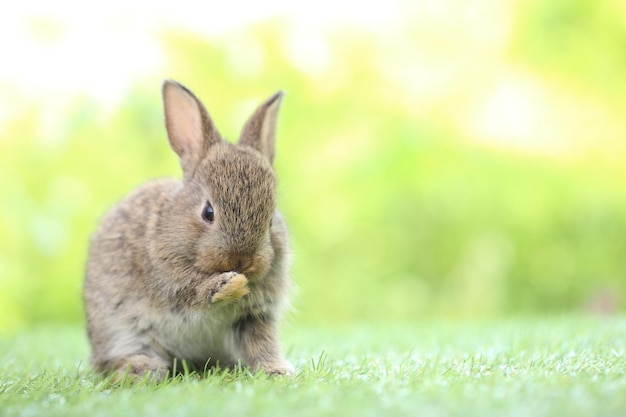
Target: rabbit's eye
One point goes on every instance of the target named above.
(207, 212)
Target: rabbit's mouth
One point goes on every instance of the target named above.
(243, 264)
(252, 266)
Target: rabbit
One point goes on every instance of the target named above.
(193, 270)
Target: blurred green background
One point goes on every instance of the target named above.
(450, 159)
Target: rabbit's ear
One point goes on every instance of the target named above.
(260, 130)
(189, 127)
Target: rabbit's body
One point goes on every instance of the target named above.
(194, 269)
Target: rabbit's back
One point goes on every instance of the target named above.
(118, 263)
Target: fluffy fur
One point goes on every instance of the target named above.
(163, 283)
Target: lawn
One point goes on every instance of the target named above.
(567, 366)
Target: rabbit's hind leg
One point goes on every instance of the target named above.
(138, 367)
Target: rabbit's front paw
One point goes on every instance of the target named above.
(231, 286)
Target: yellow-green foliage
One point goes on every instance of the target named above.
(399, 207)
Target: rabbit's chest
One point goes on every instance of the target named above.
(201, 336)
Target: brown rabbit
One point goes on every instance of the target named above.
(194, 269)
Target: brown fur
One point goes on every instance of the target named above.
(164, 284)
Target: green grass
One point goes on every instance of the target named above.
(571, 366)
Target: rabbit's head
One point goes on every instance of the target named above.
(219, 218)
